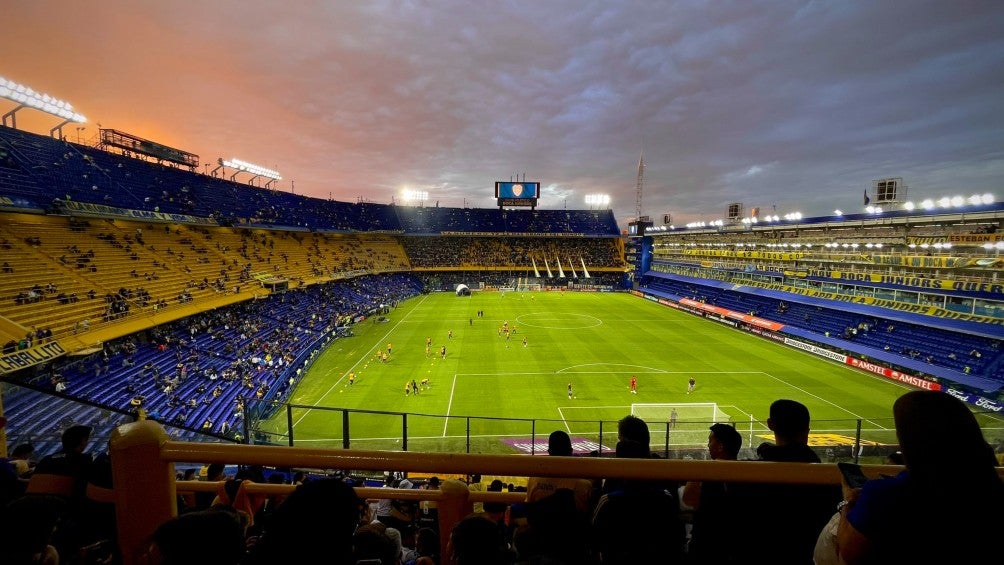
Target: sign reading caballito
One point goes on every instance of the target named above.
(24, 358)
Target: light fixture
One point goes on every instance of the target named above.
(256, 170)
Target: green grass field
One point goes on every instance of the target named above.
(488, 389)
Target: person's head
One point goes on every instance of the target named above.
(476, 540)
(433, 483)
(475, 478)
(28, 524)
(895, 458)
(215, 472)
(559, 444)
(724, 442)
(314, 523)
(789, 420)
(209, 536)
(189, 475)
(926, 422)
(23, 451)
(633, 428)
(75, 438)
(427, 542)
(370, 541)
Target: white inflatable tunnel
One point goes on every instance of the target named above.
(463, 290)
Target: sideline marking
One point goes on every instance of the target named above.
(376, 345)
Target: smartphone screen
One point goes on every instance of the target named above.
(852, 474)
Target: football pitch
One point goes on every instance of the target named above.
(490, 394)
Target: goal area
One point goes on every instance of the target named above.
(684, 423)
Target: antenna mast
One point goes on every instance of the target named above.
(638, 185)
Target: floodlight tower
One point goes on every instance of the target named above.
(28, 98)
(638, 185)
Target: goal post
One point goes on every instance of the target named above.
(685, 423)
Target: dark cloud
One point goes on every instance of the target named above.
(795, 104)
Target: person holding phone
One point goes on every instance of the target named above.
(941, 507)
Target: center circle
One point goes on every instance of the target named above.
(559, 321)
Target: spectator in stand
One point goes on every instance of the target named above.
(21, 459)
(70, 461)
(476, 540)
(427, 550)
(553, 525)
(710, 537)
(28, 524)
(791, 514)
(208, 536)
(314, 524)
(559, 444)
(944, 492)
(637, 521)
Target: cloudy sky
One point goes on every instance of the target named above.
(782, 105)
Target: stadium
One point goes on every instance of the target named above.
(137, 288)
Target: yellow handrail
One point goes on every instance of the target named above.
(143, 460)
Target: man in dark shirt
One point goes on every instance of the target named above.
(71, 461)
(780, 522)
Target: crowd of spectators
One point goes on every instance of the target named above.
(201, 372)
(564, 521)
(513, 252)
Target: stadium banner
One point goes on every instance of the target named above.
(726, 313)
(815, 350)
(102, 211)
(978, 401)
(25, 358)
(16, 204)
(977, 239)
(893, 375)
(892, 305)
(510, 234)
(769, 255)
(915, 282)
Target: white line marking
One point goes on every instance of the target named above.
(376, 346)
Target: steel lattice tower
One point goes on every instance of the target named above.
(638, 185)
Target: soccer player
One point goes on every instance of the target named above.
(442, 352)
(352, 378)
(672, 418)
(450, 334)
(425, 383)
(407, 388)
(691, 384)
(428, 341)
(570, 393)
(389, 348)
(634, 385)
(428, 351)
(524, 341)
(414, 386)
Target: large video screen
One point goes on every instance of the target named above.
(517, 190)
(517, 193)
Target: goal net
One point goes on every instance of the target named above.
(685, 423)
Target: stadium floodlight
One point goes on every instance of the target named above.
(415, 195)
(909, 206)
(27, 97)
(927, 204)
(838, 212)
(254, 170)
(597, 199)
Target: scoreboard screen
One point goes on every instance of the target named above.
(517, 193)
